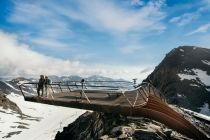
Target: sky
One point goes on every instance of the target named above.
(113, 38)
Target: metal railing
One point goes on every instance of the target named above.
(130, 91)
(30, 88)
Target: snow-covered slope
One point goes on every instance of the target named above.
(39, 122)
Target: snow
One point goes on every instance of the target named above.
(206, 62)
(205, 109)
(11, 86)
(22, 82)
(186, 77)
(194, 85)
(200, 74)
(205, 79)
(197, 114)
(181, 50)
(180, 95)
(47, 120)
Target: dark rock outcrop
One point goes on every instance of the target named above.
(7, 104)
(183, 76)
(93, 126)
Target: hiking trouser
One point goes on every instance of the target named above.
(40, 88)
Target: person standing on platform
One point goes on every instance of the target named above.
(41, 85)
(46, 85)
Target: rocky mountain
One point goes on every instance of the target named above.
(184, 78)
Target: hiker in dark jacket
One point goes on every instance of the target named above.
(41, 85)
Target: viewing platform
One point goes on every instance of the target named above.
(120, 97)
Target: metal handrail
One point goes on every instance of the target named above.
(76, 85)
(61, 87)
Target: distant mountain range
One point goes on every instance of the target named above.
(184, 77)
(8, 86)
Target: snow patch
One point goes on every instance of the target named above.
(186, 77)
(205, 62)
(11, 86)
(205, 109)
(202, 75)
(199, 74)
(180, 95)
(194, 85)
(204, 116)
(22, 82)
(181, 50)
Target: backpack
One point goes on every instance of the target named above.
(49, 81)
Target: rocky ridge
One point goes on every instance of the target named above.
(5, 103)
(184, 77)
(91, 126)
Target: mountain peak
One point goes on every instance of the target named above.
(184, 77)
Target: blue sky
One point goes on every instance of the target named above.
(118, 38)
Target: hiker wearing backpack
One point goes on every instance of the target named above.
(47, 84)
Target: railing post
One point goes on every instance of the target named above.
(52, 88)
(60, 87)
(69, 88)
(82, 82)
(134, 82)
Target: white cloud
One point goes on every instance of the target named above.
(28, 12)
(40, 22)
(100, 15)
(130, 49)
(185, 18)
(47, 42)
(104, 15)
(202, 29)
(202, 6)
(18, 59)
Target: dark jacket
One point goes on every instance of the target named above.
(41, 82)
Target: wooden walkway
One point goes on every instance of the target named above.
(143, 101)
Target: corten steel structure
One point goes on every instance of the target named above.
(114, 97)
